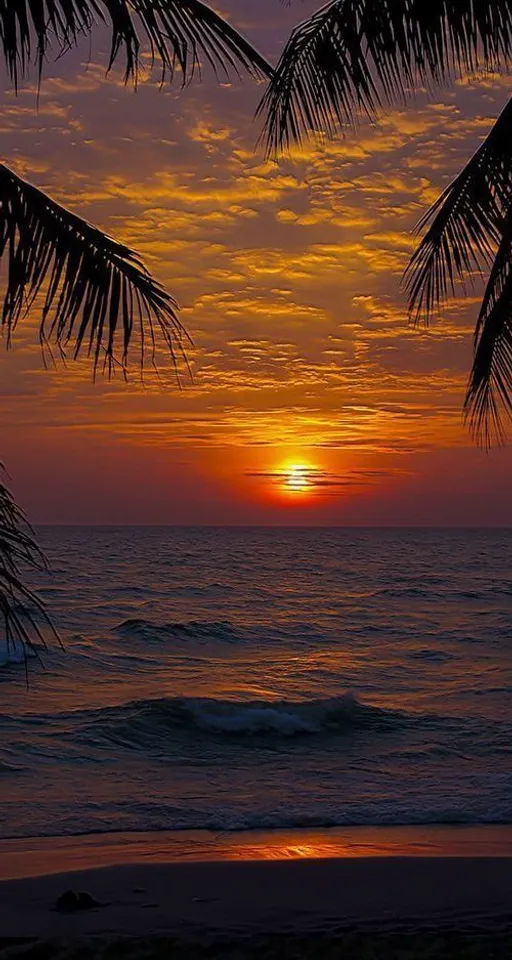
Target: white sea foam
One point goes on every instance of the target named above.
(251, 719)
(13, 652)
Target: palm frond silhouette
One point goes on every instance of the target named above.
(99, 291)
(22, 613)
(180, 33)
(95, 295)
(346, 62)
(96, 292)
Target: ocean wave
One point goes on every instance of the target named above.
(432, 656)
(201, 631)
(406, 592)
(402, 591)
(139, 722)
(207, 590)
(8, 768)
(284, 718)
(140, 818)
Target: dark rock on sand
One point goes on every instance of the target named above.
(71, 902)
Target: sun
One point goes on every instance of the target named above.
(297, 478)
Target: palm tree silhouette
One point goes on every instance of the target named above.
(96, 296)
(354, 56)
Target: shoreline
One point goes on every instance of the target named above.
(46, 856)
(318, 894)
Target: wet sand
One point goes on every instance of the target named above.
(36, 856)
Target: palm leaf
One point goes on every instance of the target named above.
(353, 55)
(470, 229)
(21, 611)
(180, 33)
(490, 386)
(96, 293)
(465, 223)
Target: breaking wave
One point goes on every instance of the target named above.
(140, 722)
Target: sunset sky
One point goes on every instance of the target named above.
(288, 276)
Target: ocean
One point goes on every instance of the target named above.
(244, 679)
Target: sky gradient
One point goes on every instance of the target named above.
(288, 276)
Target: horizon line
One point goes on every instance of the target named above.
(276, 526)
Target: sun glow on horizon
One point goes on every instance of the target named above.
(298, 478)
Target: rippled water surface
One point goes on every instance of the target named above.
(247, 678)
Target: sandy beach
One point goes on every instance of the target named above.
(267, 904)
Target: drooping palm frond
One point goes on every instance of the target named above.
(180, 33)
(489, 393)
(470, 230)
(353, 55)
(22, 612)
(466, 223)
(97, 295)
